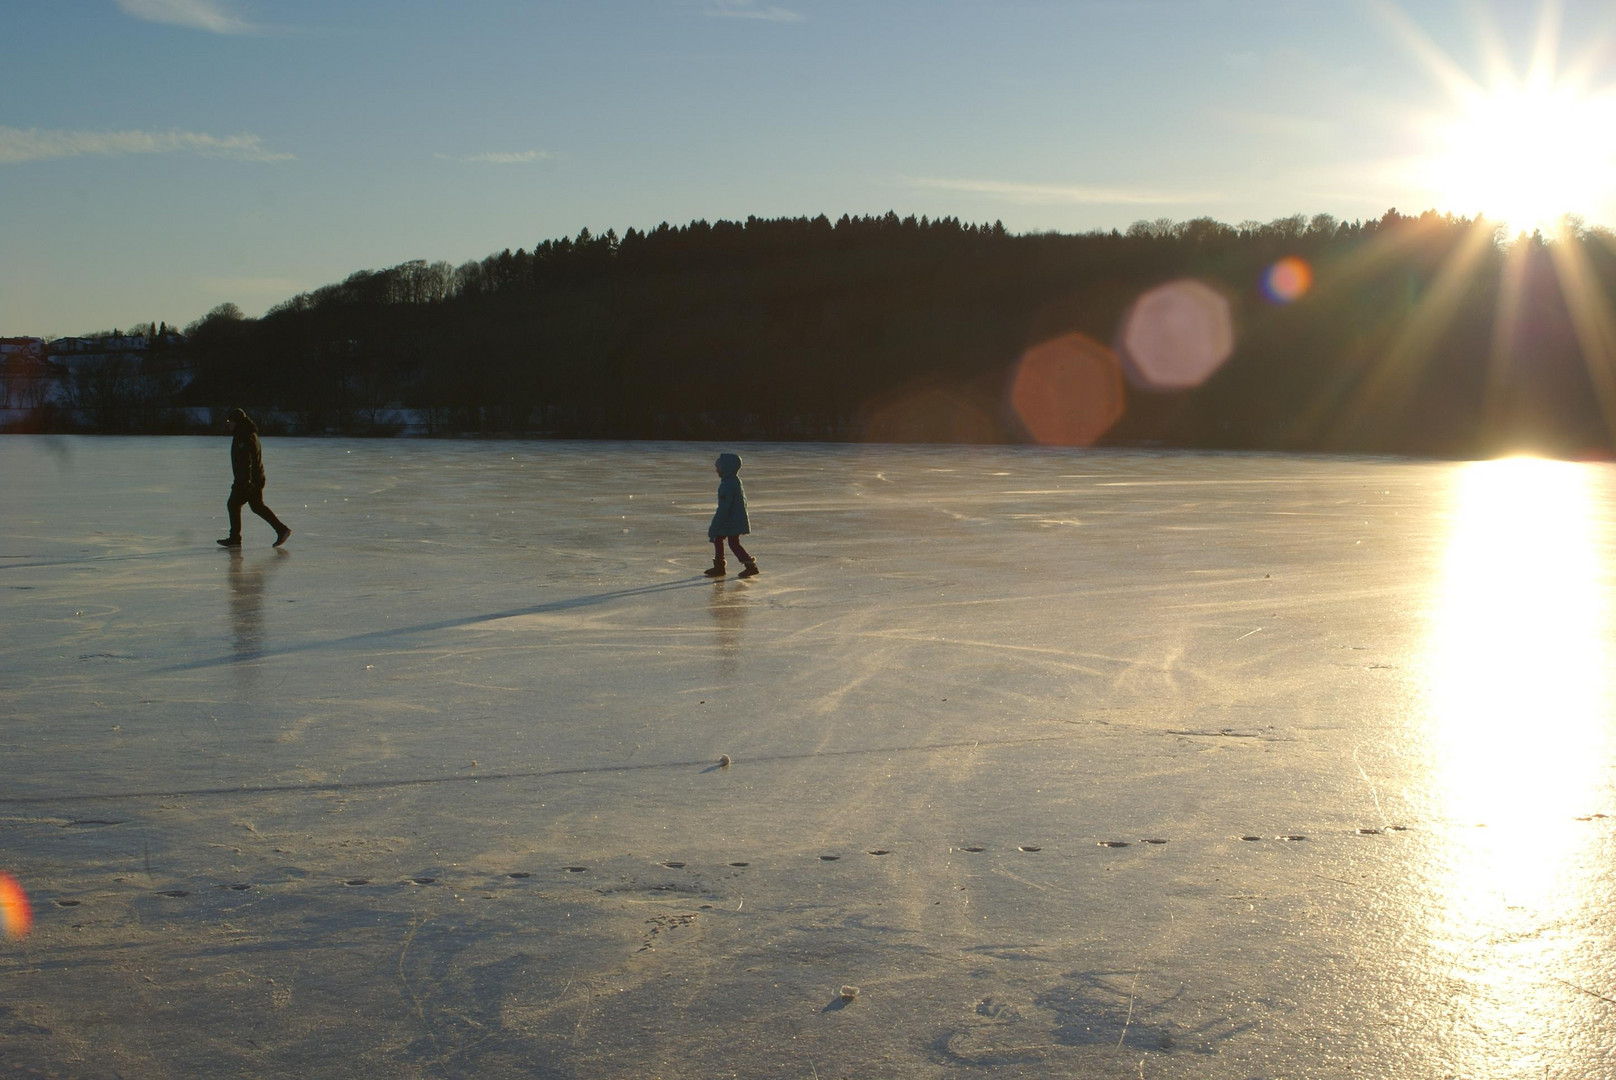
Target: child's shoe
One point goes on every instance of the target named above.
(750, 571)
(717, 569)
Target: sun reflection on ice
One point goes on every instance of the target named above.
(1519, 742)
(1520, 656)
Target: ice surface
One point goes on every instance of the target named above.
(434, 789)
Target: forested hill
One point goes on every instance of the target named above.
(1419, 334)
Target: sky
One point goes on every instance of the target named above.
(160, 157)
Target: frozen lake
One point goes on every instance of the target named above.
(1100, 764)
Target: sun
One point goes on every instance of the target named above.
(1525, 153)
(1525, 145)
(1527, 156)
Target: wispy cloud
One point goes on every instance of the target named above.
(210, 15)
(517, 157)
(1012, 191)
(31, 144)
(744, 9)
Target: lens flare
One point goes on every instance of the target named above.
(1068, 390)
(16, 916)
(937, 414)
(1287, 280)
(1176, 335)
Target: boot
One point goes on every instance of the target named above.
(750, 571)
(717, 569)
(230, 541)
(283, 533)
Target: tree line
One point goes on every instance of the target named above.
(1420, 334)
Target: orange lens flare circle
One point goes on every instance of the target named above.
(1176, 335)
(16, 916)
(1288, 279)
(1068, 391)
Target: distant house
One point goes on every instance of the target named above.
(76, 351)
(27, 379)
(15, 346)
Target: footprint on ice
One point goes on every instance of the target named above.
(881, 851)
(829, 858)
(174, 892)
(575, 869)
(671, 865)
(1290, 836)
(1030, 847)
(973, 850)
(1153, 840)
(1371, 832)
(740, 864)
(68, 903)
(519, 874)
(1113, 843)
(1251, 838)
(424, 880)
(357, 881)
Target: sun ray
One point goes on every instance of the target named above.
(1495, 54)
(1390, 248)
(1584, 64)
(1400, 366)
(1506, 331)
(1592, 319)
(1545, 49)
(1457, 81)
(1370, 260)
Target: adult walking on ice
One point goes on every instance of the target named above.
(730, 521)
(247, 465)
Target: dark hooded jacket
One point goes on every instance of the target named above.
(246, 455)
(730, 519)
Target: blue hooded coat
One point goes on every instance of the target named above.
(730, 518)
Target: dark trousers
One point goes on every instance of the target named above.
(734, 545)
(253, 498)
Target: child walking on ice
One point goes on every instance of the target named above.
(730, 521)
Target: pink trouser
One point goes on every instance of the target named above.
(734, 545)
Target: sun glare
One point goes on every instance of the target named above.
(1520, 742)
(1524, 144)
(1520, 655)
(1522, 152)
(1527, 156)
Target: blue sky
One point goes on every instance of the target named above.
(158, 157)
